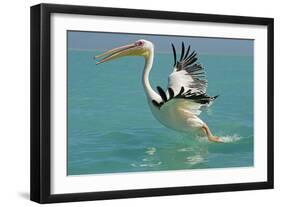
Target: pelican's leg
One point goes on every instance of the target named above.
(209, 134)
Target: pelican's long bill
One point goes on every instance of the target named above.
(116, 53)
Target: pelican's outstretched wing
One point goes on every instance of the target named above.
(187, 73)
(187, 81)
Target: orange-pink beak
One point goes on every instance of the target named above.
(115, 53)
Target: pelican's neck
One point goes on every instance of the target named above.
(145, 76)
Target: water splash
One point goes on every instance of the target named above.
(231, 138)
(225, 139)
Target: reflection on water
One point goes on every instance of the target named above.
(192, 160)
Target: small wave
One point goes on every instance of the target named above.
(195, 159)
(150, 150)
(146, 164)
(189, 149)
(147, 159)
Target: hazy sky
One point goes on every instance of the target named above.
(162, 43)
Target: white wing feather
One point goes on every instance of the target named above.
(178, 79)
(187, 81)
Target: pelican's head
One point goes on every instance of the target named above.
(138, 48)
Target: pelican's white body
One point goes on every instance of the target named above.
(178, 115)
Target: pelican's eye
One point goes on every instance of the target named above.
(139, 43)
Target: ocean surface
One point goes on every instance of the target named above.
(111, 128)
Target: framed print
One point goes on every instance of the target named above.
(133, 103)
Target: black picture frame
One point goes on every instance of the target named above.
(40, 184)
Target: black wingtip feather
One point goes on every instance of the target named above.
(188, 49)
(192, 55)
(182, 51)
(162, 94)
(175, 54)
(181, 91)
(171, 93)
(192, 61)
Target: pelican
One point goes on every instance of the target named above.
(179, 107)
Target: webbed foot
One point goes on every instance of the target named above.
(215, 139)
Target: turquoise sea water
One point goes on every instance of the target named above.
(111, 128)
